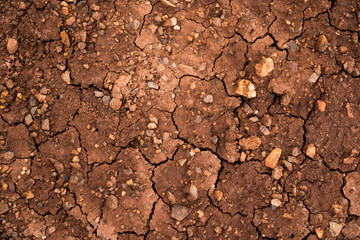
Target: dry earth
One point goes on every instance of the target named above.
(179, 119)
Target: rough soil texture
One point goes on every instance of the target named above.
(179, 119)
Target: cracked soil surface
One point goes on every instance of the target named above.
(179, 119)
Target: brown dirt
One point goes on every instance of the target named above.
(124, 119)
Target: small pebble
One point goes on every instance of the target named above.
(9, 84)
(250, 143)
(193, 192)
(202, 67)
(75, 159)
(173, 21)
(33, 110)
(152, 125)
(102, 26)
(115, 104)
(288, 165)
(276, 202)
(349, 160)
(313, 77)
(12, 45)
(245, 88)
(112, 202)
(198, 119)
(136, 24)
(96, 16)
(335, 228)
(319, 232)
(132, 108)
(217, 22)
(65, 38)
(171, 197)
(45, 125)
(81, 45)
(321, 43)
(8, 156)
(153, 85)
(106, 100)
(273, 158)
(58, 49)
(218, 230)
(214, 139)
(66, 77)
(44, 91)
(264, 130)
(59, 167)
(200, 214)
(277, 173)
(208, 98)
(296, 151)
(28, 119)
(166, 62)
(29, 195)
(218, 195)
(311, 150)
(343, 49)
(70, 21)
(3, 208)
(179, 212)
(321, 105)
(264, 67)
(68, 205)
(292, 159)
(98, 94)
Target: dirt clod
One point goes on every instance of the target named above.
(179, 119)
(250, 143)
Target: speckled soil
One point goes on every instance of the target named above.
(179, 119)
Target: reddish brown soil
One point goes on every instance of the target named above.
(124, 119)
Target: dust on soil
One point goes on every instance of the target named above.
(179, 119)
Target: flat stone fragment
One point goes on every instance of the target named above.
(28, 119)
(313, 77)
(273, 158)
(46, 125)
(335, 228)
(153, 85)
(179, 212)
(4, 208)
